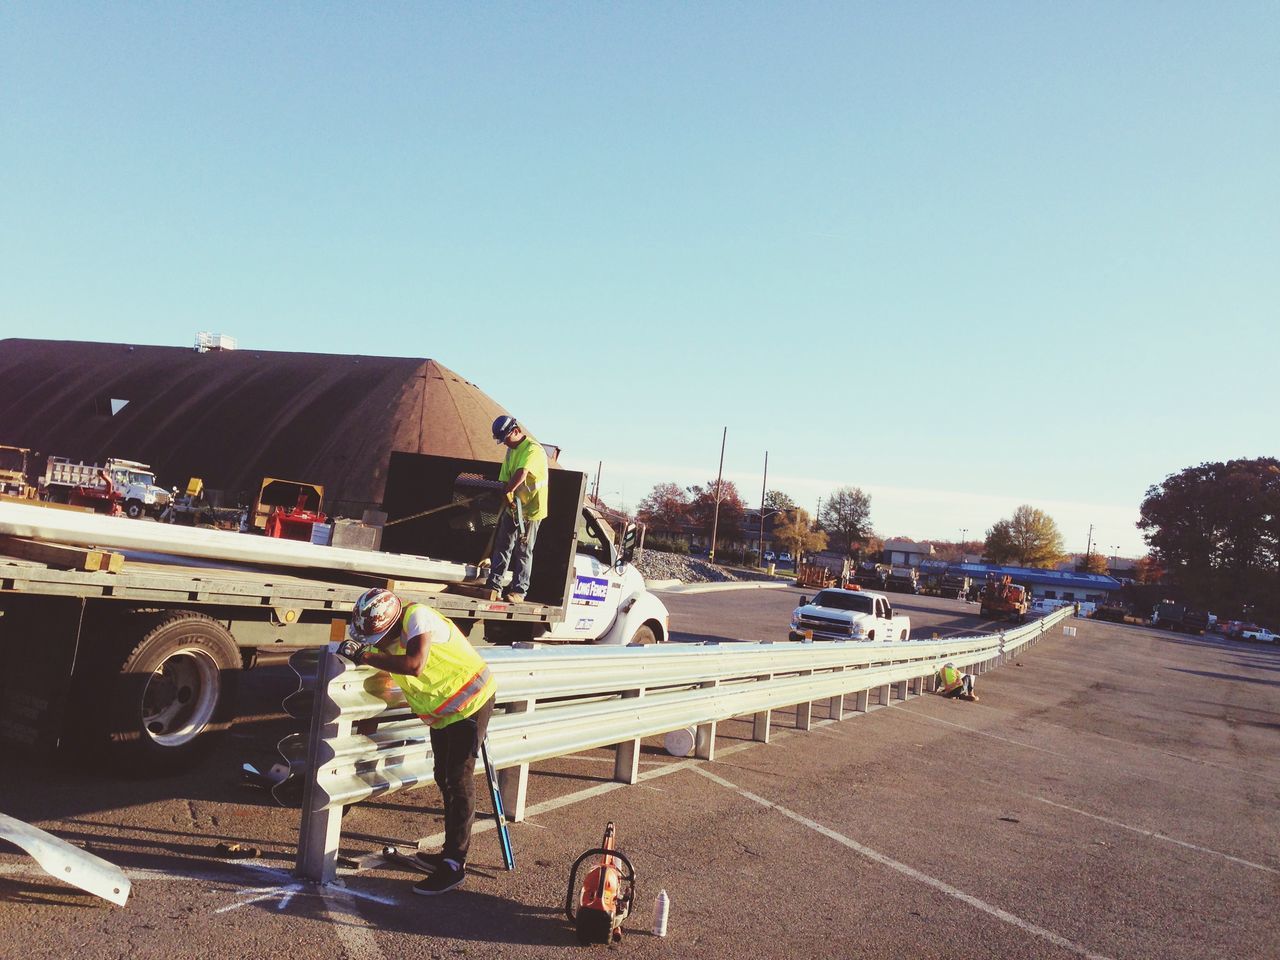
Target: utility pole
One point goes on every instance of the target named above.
(595, 495)
(715, 518)
(763, 483)
(1088, 550)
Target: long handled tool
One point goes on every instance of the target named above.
(499, 812)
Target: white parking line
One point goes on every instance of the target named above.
(914, 874)
(1154, 834)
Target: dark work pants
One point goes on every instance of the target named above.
(455, 749)
(506, 543)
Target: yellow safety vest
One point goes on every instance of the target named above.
(453, 683)
(950, 676)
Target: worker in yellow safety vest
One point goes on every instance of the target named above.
(449, 686)
(950, 682)
(524, 478)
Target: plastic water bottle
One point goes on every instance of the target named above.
(661, 908)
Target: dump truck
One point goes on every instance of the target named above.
(955, 586)
(872, 575)
(903, 580)
(1002, 599)
(145, 628)
(1179, 617)
(129, 484)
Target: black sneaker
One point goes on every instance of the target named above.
(444, 879)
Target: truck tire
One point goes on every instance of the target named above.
(134, 509)
(174, 694)
(643, 637)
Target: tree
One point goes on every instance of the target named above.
(846, 517)
(702, 511)
(1092, 563)
(1148, 570)
(665, 509)
(795, 531)
(1030, 538)
(777, 500)
(1216, 530)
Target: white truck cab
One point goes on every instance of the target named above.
(608, 602)
(848, 615)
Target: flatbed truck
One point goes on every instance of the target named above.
(136, 654)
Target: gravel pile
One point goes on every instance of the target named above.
(656, 565)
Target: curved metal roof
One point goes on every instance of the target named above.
(234, 417)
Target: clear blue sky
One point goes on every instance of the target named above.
(964, 256)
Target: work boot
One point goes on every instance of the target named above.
(515, 596)
(445, 878)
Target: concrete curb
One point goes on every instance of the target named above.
(659, 585)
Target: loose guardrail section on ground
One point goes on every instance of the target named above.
(364, 742)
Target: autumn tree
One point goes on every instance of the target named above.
(702, 511)
(1148, 570)
(1029, 538)
(846, 517)
(795, 531)
(1092, 563)
(665, 509)
(1216, 530)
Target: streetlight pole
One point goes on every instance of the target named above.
(715, 518)
(763, 483)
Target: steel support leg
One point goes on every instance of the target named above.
(513, 782)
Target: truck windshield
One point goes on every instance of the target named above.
(857, 602)
(11, 459)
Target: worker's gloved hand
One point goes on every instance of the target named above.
(354, 650)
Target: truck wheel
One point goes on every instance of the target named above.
(175, 691)
(134, 509)
(643, 637)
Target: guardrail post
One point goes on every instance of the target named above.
(917, 686)
(704, 738)
(863, 701)
(626, 756)
(760, 723)
(883, 695)
(835, 706)
(321, 829)
(513, 782)
(901, 689)
(804, 711)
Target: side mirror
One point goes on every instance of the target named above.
(627, 546)
(803, 600)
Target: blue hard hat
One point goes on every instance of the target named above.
(502, 428)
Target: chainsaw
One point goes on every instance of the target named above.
(606, 894)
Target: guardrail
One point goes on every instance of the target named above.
(555, 701)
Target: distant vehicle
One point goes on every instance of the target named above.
(784, 557)
(873, 575)
(122, 484)
(13, 471)
(848, 615)
(770, 556)
(1003, 599)
(1261, 634)
(1178, 617)
(903, 580)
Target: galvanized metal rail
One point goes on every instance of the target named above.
(364, 742)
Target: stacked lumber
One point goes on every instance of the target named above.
(62, 556)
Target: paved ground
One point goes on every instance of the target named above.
(1112, 795)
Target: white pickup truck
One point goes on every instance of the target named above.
(848, 615)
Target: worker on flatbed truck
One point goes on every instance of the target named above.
(950, 682)
(524, 472)
(449, 686)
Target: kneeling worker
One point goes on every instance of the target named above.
(449, 686)
(952, 683)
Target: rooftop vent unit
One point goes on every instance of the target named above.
(206, 342)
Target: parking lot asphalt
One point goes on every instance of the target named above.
(1112, 795)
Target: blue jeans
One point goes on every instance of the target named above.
(505, 544)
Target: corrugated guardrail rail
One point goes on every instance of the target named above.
(554, 701)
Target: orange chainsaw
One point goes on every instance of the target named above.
(605, 895)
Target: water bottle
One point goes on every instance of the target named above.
(661, 908)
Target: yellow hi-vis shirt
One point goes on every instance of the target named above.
(454, 681)
(533, 492)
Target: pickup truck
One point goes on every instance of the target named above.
(848, 615)
(1261, 634)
